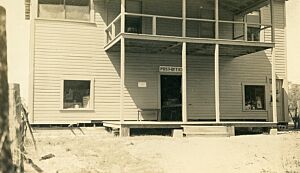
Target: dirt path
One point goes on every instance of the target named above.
(154, 154)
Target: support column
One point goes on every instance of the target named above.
(184, 83)
(183, 64)
(122, 62)
(245, 28)
(274, 104)
(217, 85)
(122, 81)
(122, 16)
(183, 18)
(217, 19)
(92, 11)
(272, 21)
(217, 88)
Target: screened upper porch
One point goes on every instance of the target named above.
(232, 20)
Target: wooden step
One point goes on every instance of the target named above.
(208, 130)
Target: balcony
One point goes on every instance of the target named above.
(239, 27)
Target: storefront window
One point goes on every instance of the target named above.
(76, 94)
(254, 97)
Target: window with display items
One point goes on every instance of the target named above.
(76, 94)
(254, 97)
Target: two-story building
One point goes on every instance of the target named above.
(168, 61)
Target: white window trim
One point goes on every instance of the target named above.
(243, 96)
(92, 95)
(91, 20)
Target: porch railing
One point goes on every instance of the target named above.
(113, 29)
(194, 28)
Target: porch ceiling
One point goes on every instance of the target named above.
(242, 6)
(197, 49)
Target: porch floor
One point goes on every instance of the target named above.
(178, 124)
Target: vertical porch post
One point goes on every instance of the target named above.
(92, 11)
(122, 16)
(184, 82)
(122, 62)
(245, 28)
(183, 64)
(274, 104)
(122, 81)
(183, 18)
(217, 85)
(217, 80)
(216, 19)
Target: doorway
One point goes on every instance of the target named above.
(171, 106)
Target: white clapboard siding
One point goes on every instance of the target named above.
(71, 49)
(280, 25)
(65, 49)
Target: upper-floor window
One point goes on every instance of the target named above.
(64, 9)
(253, 29)
(133, 23)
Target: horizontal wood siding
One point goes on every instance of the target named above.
(280, 35)
(234, 72)
(280, 39)
(144, 68)
(71, 49)
(255, 69)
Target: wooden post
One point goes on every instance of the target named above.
(122, 16)
(217, 86)
(272, 21)
(122, 63)
(16, 126)
(245, 28)
(183, 18)
(6, 164)
(92, 11)
(183, 64)
(154, 25)
(274, 104)
(124, 131)
(113, 31)
(122, 76)
(184, 83)
(217, 19)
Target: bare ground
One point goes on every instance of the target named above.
(154, 154)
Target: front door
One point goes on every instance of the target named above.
(170, 97)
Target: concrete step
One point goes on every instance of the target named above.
(206, 135)
(208, 130)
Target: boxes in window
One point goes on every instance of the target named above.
(86, 101)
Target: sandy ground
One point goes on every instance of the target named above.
(154, 154)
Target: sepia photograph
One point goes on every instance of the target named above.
(149, 86)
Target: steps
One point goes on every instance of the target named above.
(214, 131)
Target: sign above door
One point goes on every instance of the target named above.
(170, 69)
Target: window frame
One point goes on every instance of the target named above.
(92, 94)
(90, 20)
(243, 97)
(252, 26)
(133, 19)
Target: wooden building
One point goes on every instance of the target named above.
(166, 61)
